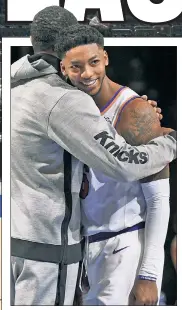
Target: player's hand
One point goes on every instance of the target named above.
(166, 131)
(154, 105)
(145, 293)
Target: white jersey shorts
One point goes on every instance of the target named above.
(112, 267)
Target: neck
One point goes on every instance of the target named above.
(48, 52)
(108, 89)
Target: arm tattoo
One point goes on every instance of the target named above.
(138, 125)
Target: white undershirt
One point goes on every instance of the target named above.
(157, 195)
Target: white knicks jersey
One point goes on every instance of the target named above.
(108, 205)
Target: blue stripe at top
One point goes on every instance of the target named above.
(111, 100)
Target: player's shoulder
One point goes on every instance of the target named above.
(127, 90)
(133, 101)
(137, 110)
(138, 122)
(140, 106)
(126, 94)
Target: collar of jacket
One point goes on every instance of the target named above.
(50, 59)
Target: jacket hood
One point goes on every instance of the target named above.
(24, 69)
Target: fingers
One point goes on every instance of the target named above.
(145, 293)
(160, 116)
(158, 110)
(144, 302)
(153, 103)
(138, 303)
(144, 97)
(166, 131)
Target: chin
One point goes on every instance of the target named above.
(94, 95)
(95, 91)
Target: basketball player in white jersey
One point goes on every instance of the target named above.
(124, 261)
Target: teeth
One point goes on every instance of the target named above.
(89, 83)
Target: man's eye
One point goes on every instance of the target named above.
(75, 67)
(95, 62)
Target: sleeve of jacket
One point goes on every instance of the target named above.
(76, 125)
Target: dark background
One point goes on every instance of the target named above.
(149, 71)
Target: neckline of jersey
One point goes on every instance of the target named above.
(111, 100)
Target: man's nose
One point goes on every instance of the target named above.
(87, 73)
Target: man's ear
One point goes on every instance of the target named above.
(62, 68)
(106, 57)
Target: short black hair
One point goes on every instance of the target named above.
(46, 24)
(77, 35)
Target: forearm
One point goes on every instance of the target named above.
(157, 199)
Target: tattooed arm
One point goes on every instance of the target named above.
(138, 125)
(139, 122)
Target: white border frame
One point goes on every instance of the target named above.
(6, 53)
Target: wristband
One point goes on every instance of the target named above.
(147, 278)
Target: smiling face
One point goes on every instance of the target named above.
(85, 67)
